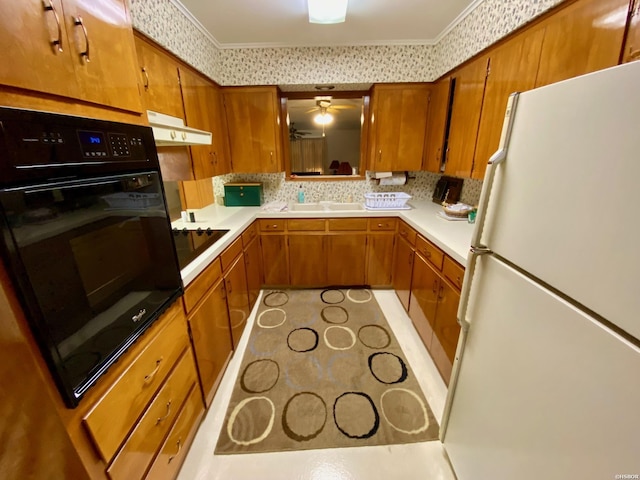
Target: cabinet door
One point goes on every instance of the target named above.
(160, 81)
(380, 259)
(632, 44)
(30, 59)
(465, 117)
(275, 259)
(211, 337)
(253, 265)
(219, 133)
(346, 257)
(196, 98)
(307, 260)
(424, 298)
(513, 68)
(103, 52)
(235, 281)
(446, 330)
(253, 121)
(399, 120)
(403, 269)
(584, 37)
(436, 125)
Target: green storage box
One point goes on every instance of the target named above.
(243, 194)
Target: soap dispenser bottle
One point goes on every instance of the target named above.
(300, 195)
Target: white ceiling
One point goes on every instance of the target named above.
(284, 23)
(302, 111)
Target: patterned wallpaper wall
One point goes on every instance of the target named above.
(488, 22)
(277, 189)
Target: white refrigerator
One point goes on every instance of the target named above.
(546, 379)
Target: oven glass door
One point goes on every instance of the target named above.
(95, 264)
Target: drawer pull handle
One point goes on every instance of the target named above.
(441, 293)
(458, 280)
(434, 289)
(427, 253)
(162, 419)
(57, 43)
(229, 290)
(77, 21)
(410, 257)
(179, 445)
(149, 378)
(633, 55)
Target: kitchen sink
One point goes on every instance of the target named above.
(339, 207)
(306, 207)
(326, 207)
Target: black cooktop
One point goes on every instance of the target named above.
(191, 243)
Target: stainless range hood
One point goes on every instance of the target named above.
(171, 131)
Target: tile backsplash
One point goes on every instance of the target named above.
(276, 188)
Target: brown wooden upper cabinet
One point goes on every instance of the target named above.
(160, 79)
(584, 37)
(72, 49)
(436, 125)
(398, 126)
(631, 50)
(512, 68)
(255, 135)
(465, 116)
(203, 109)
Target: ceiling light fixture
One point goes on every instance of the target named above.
(323, 118)
(327, 11)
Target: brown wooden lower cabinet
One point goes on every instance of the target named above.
(235, 280)
(380, 259)
(275, 259)
(446, 329)
(307, 260)
(346, 257)
(211, 337)
(402, 271)
(253, 265)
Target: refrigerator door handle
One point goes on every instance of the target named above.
(476, 250)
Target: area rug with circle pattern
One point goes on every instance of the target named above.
(323, 369)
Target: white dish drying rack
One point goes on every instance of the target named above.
(387, 201)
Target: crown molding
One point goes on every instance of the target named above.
(238, 46)
(196, 23)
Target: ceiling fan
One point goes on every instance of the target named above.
(323, 105)
(294, 133)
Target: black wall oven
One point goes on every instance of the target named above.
(86, 238)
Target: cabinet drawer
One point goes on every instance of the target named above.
(308, 225)
(453, 272)
(176, 446)
(116, 412)
(382, 224)
(196, 289)
(249, 234)
(231, 252)
(408, 233)
(342, 224)
(138, 451)
(429, 251)
(274, 225)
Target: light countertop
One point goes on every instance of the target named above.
(452, 237)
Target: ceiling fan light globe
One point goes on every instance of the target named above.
(327, 11)
(323, 118)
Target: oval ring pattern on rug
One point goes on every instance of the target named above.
(305, 414)
(269, 313)
(299, 339)
(276, 299)
(331, 296)
(338, 327)
(420, 403)
(260, 376)
(374, 411)
(353, 296)
(368, 336)
(333, 314)
(403, 367)
(238, 409)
